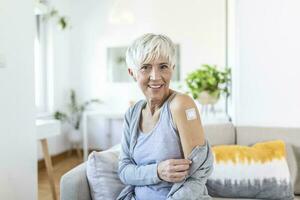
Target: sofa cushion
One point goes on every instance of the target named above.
(102, 174)
(217, 134)
(74, 184)
(260, 171)
(248, 135)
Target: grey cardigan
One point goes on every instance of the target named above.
(191, 188)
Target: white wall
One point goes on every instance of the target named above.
(198, 26)
(18, 168)
(268, 46)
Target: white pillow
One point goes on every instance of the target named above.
(102, 174)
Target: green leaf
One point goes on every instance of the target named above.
(208, 78)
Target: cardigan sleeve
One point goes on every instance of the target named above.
(195, 183)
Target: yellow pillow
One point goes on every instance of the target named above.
(260, 171)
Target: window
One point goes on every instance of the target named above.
(42, 63)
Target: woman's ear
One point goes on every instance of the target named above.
(131, 73)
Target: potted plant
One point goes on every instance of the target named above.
(73, 117)
(208, 83)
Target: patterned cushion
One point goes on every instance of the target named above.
(260, 171)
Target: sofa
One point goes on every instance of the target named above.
(74, 184)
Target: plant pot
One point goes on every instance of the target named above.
(74, 136)
(206, 98)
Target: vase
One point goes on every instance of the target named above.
(206, 98)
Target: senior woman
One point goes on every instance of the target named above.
(164, 153)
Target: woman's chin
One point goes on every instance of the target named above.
(156, 96)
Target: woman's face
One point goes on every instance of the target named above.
(154, 78)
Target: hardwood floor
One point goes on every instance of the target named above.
(61, 167)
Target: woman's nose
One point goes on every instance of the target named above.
(155, 74)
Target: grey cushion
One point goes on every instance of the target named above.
(248, 135)
(74, 184)
(218, 134)
(102, 174)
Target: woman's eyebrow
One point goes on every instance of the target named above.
(148, 64)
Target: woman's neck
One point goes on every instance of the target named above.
(153, 105)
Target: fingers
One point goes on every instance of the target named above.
(180, 168)
(174, 170)
(180, 161)
(178, 174)
(177, 165)
(177, 177)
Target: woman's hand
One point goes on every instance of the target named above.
(173, 170)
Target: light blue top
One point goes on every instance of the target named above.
(161, 143)
(134, 175)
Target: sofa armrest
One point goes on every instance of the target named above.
(74, 184)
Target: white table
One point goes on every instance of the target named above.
(48, 128)
(105, 114)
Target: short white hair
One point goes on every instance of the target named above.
(149, 47)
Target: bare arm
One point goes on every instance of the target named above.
(190, 130)
(191, 135)
(192, 139)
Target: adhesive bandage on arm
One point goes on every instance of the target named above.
(191, 114)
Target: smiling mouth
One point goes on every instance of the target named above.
(155, 86)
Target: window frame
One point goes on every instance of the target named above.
(42, 67)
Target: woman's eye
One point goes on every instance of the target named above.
(164, 66)
(144, 67)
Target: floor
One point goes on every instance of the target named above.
(44, 192)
